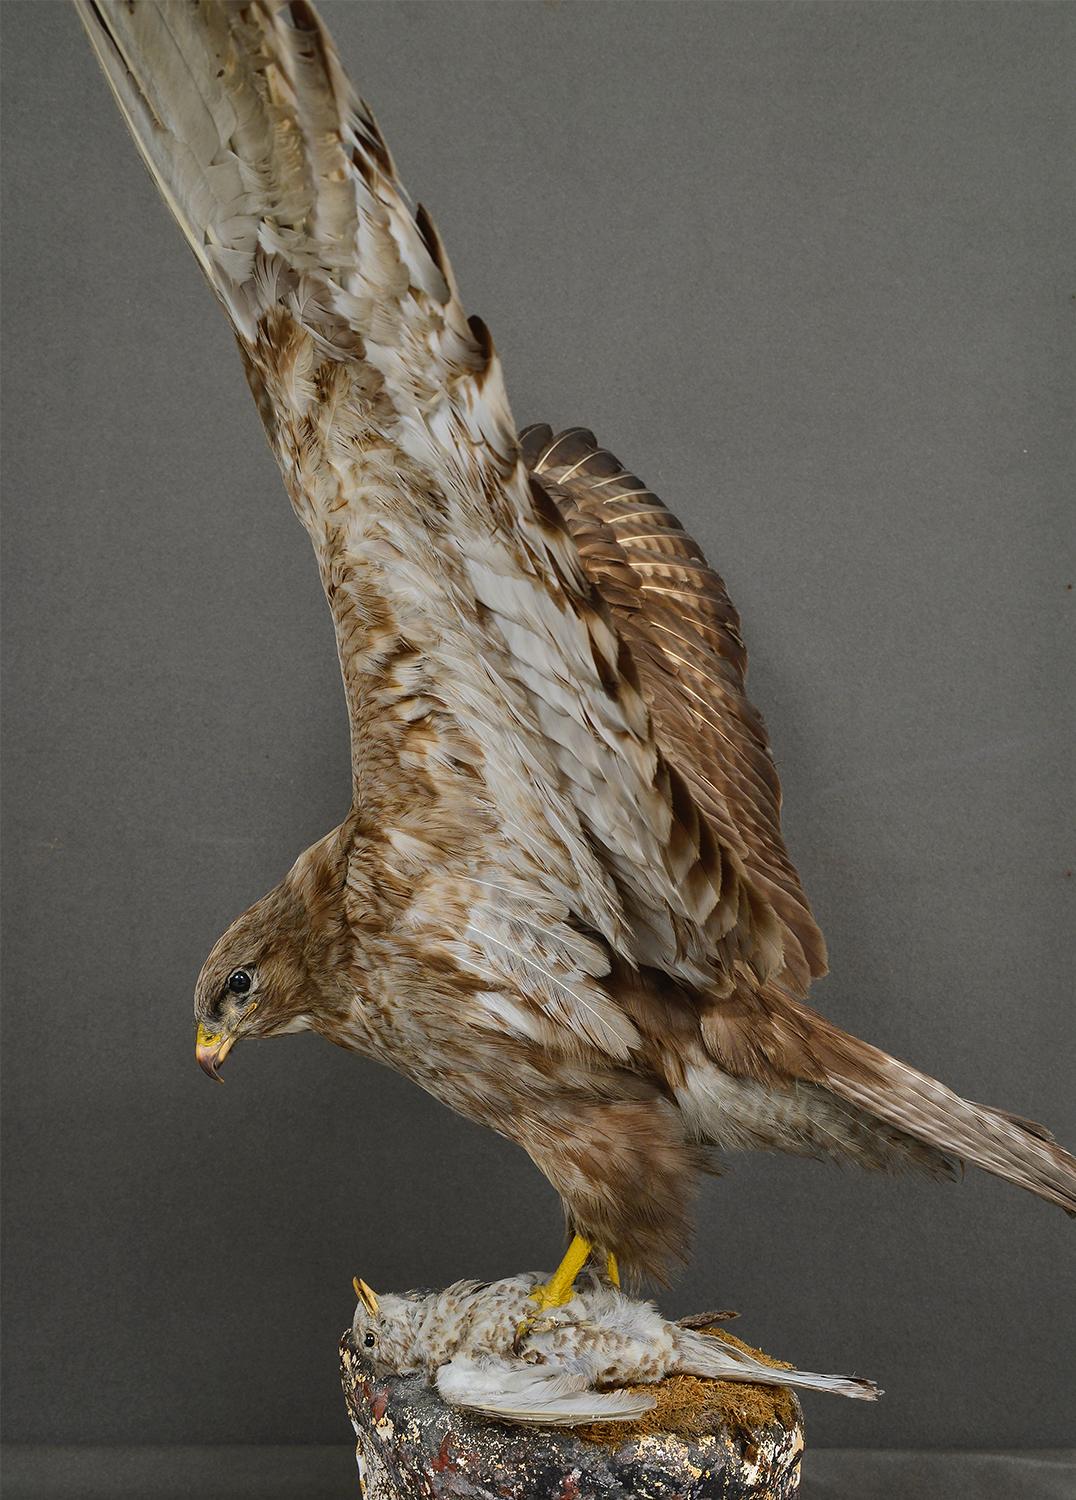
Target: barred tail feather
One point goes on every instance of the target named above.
(1020, 1151)
(783, 1076)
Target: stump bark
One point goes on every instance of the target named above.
(705, 1439)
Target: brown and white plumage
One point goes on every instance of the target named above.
(568, 1368)
(683, 633)
(561, 900)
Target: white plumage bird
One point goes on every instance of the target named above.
(481, 1346)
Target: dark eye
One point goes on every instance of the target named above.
(370, 1340)
(238, 982)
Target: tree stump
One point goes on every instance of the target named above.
(704, 1439)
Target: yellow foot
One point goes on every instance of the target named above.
(560, 1288)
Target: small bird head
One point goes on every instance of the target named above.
(384, 1330)
(255, 981)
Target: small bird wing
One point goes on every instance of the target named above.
(675, 615)
(513, 801)
(531, 1393)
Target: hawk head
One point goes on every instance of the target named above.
(267, 973)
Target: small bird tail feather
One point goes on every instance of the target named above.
(715, 1359)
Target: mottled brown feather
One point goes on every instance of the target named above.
(674, 613)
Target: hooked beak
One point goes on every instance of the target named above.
(212, 1047)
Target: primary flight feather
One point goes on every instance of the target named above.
(561, 901)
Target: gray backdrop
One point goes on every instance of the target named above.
(803, 267)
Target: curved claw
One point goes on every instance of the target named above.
(558, 1290)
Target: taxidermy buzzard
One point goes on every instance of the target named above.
(560, 901)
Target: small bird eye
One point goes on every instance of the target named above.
(239, 982)
(370, 1340)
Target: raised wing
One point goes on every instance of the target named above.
(674, 613)
(512, 803)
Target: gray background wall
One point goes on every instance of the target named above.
(801, 266)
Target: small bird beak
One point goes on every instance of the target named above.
(366, 1294)
(211, 1048)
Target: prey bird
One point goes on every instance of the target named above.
(561, 900)
(463, 1339)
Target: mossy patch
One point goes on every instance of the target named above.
(690, 1408)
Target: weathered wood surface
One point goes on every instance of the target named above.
(705, 1440)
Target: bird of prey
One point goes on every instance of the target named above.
(463, 1339)
(561, 900)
